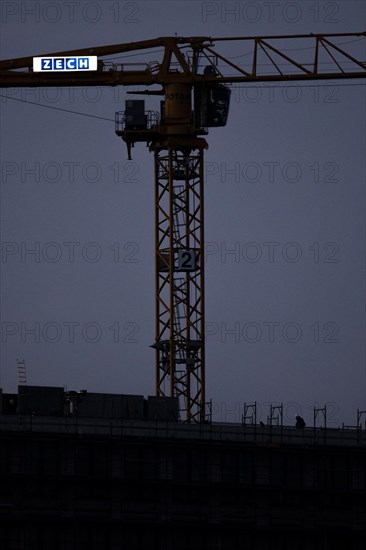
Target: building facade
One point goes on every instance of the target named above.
(113, 481)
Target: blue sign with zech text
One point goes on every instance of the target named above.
(62, 64)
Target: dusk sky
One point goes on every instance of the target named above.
(284, 218)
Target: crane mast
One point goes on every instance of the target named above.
(193, 78)
(179, 275)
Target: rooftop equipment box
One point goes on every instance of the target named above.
(41, 400)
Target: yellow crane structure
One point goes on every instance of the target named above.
(193, 77)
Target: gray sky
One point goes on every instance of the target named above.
(285, 219)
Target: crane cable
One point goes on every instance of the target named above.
(112, 120)
(57, 108)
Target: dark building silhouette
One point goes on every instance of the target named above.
(87, 471)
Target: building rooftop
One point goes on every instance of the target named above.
(50, 410)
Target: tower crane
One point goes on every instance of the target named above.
(193, 77)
